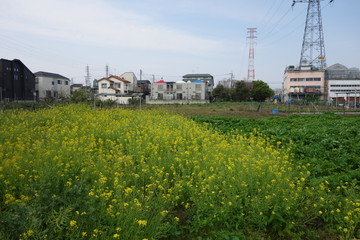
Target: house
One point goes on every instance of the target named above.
(343, 84)
(178, 92)
(114, 88)
(304, 81)
(75, 87)
(130, 76)
(51, 85)
(209, 79)
(17, 82)
(144, 86)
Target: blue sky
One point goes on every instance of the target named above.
(168, 38)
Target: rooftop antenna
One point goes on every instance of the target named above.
(313, 48)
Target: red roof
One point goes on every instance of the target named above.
(119, 78)
(114, 89)
(116, 77)
(161, 81)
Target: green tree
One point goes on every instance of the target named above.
(81, 95)
(261, 91)
(221, 93)
(242, 91)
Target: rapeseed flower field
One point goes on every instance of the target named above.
(74, 173)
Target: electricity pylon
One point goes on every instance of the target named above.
(313, 48)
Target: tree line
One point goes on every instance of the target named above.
(243, 91)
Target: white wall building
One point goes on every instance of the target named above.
(51, 85)
(178, 92)
(209, 79)
(302, 82)
(114, 88)
(130, 76)
(343, 84)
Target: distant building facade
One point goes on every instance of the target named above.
(51, 85)
(178, 92)
(144, 86)
(75, 87)
(17, 82)
(209, 79)
(304, 81)
(343, 84)
(130, 76)
(114, 88)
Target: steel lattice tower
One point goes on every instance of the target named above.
(87, 77)
(313, 48)
(251, 41)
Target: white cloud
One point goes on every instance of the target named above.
(99, 23)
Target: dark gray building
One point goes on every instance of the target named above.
(17, 82)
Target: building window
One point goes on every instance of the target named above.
(160, 96)
(169, 87)
(198, 87)
(117, 85)
(52, 83)
(179, 87)
(103, 85)
(59, 81)
(160, 87)
(36, 80)
(66, 82)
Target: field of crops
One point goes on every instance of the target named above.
(73, 173)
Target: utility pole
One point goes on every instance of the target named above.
(251, 41)
(107, 70)
(313, 48)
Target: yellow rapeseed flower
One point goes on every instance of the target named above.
(72, 223)
(142, 223)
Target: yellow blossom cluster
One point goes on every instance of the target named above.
(78, 173)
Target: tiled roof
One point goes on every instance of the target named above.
(114, 89)
(119, 78)
(106, 79)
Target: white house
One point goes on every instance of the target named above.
(130, 76)
(51, 85)
(178, 92)
(114, 88)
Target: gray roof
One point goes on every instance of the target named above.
(197, 75)
(50, 75)
(143, 82)
(337, 66)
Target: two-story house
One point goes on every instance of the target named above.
(178, 92)
(51, 85)
(114, 88)
(130, 76)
